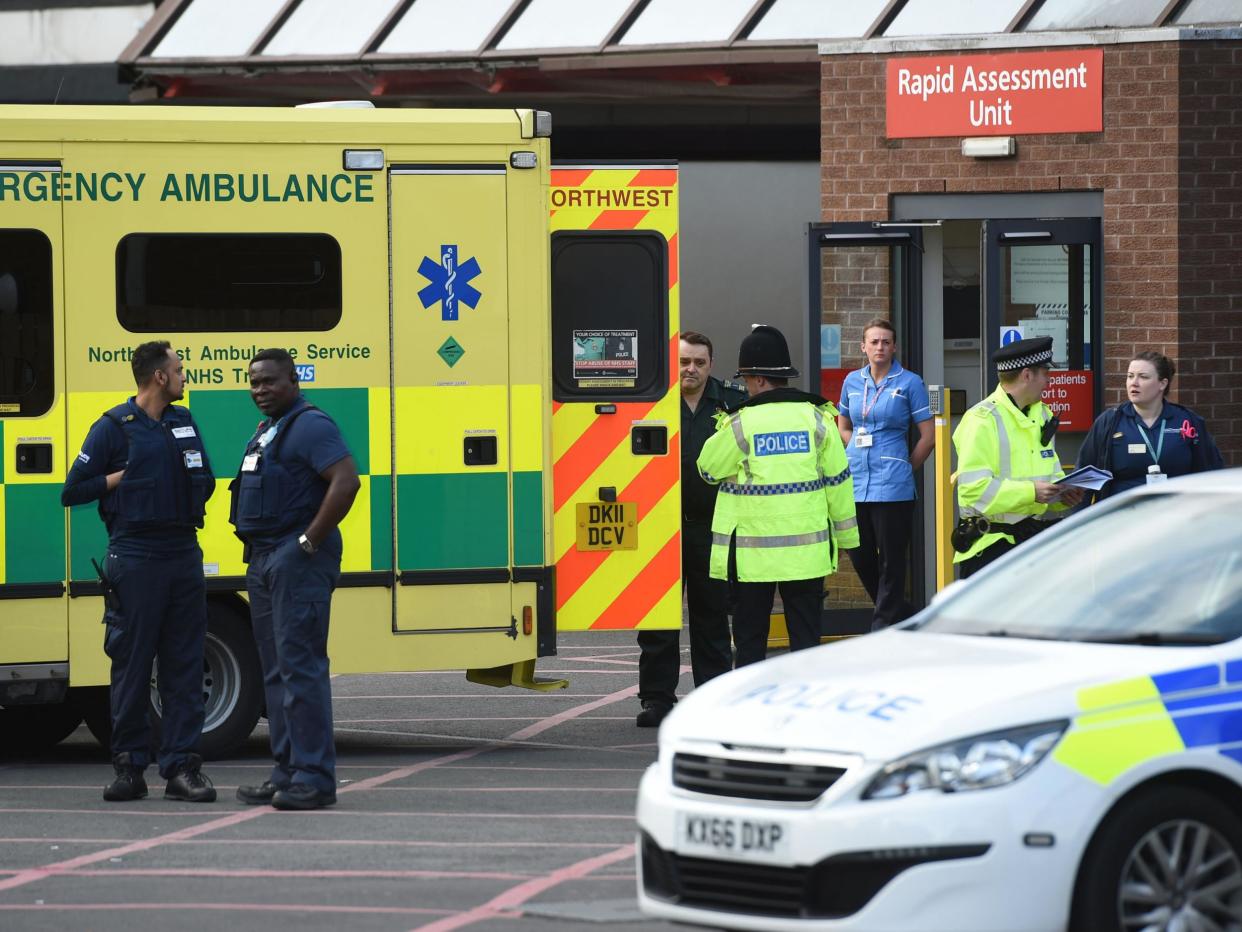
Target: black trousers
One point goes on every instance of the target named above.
(804, 610)
(968, 568)
(711, 652)
(881, 558)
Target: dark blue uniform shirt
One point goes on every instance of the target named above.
(1120, 442)
(158, 504)
(281, 495)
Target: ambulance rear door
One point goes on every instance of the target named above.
(33, 614)
(616, 415)
(451, 410)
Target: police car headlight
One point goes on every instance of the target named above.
(977, 763)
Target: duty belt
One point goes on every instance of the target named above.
(970, 530)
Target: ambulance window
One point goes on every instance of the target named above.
(609, 315)
(27, 357)
(219, 282)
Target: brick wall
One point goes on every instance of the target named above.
(1168, 163)
(1209, 236)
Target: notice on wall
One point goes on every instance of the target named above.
(829, 346)
(606, 358)
(1071, 396)
(1058, 330)
(995, 95)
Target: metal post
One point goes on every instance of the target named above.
(942, 410)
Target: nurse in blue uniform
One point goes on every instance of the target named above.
(1148, 438)
(879, 404)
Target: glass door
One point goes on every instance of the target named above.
(858, 272)
(1043, 278)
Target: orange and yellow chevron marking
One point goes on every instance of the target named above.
(635, 588)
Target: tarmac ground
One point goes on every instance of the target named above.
(459, 806)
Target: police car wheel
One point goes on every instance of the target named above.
(26, 729)
(232, 684)
(1167, 858)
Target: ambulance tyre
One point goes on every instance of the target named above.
(232, 683)
(27, 729)
(96, 707)
(1167, 851)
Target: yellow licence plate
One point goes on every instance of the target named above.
(607, 526)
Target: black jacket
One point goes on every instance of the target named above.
(698, 499)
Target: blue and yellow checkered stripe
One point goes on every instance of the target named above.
(1126, 723)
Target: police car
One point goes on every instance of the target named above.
(1057, 743)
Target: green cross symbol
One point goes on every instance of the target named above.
(450, 351)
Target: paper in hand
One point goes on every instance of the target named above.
(1087, 477)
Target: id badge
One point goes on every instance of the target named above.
(1136, 448)
(1153, 477)
(193, 459)
(182, 433)
(250, 463)
(863, 439)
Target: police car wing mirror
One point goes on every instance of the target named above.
(8, 294)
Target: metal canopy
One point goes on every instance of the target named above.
(691, 50)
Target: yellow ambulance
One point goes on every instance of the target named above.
(509, 396)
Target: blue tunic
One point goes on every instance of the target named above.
(882, 471)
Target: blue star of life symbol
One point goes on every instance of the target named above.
(450, 282)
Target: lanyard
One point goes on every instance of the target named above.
(1155, 454)
(879, 390)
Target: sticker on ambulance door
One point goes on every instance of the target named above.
(606, 358)
(607, 526)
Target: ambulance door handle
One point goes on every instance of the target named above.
(649, 440)
(34, 458)
(479, 450)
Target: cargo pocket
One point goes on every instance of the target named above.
(250, 496)
(310, 605)
(136, 499)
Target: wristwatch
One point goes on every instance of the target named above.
(305, 544)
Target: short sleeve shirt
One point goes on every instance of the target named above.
(882, 471)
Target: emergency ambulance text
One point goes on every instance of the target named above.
(190, 187)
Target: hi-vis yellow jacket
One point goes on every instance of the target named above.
(999, 455)
(785, 489)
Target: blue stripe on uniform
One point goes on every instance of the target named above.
(779, 488)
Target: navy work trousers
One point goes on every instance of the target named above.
(881, 557)
(290, 596)
(707, 599)
(163, 617)
(752, 618)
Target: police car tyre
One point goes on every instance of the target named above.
(232, 684)
(26, 729)
(1166, 858)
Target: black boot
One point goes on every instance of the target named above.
(189, 784)
(128, 784)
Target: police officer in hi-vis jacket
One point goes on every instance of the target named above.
(145, 463)
(785, 508)
(1007, 465)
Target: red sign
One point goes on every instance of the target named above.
(996, 95)
(831, 382)
(1070, 395)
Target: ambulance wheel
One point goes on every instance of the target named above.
(1169, 857)
(96, 706)
(232, 684)
(27, 729)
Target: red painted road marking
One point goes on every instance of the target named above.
(516, 896)
(219, 907)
